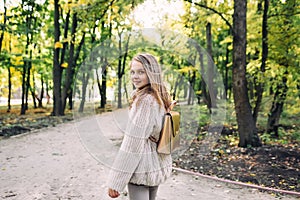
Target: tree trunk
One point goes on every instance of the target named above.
(27, 83)
(24, 86)
(277, 106)
(9, 79)
(104, 65)
(203, 84)
(9, 89)
(246, 126)
(125, 90)
(40, 99)
(70, 97)
(260, 86)
(98, 83)
(85, 80)
(47, 92)
(23, 106)
(3, 25)
(210, 69)
(120, 72)
(226, 84)
(121, 67)
(120, 92)
(65, 43)
(72, 74)
(192, 80)
(32, 90)
(57, 70)
(177, 84)
(103, 84)
(71, 65)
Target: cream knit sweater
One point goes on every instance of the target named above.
(138, 161)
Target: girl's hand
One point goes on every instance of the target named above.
(113, 193)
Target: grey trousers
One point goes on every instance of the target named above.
(142, 192)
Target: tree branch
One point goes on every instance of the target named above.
(213, 10)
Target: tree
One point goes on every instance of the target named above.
(260, 86)
(121, 64)
(28, 29)
(283, 53)
(57, 69)
(246, 125)
(3, 26)
(210, 70)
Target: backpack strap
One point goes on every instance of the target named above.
(172, 105)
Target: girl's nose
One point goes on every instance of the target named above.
(134, 76)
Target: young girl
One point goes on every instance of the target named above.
(138, 164)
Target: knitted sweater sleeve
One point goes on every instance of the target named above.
(139, 128)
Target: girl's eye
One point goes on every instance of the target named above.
(138, 72)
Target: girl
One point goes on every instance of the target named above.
(138, 165)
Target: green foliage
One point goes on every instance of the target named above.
(112, 21)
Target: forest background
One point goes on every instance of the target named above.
(233, 64)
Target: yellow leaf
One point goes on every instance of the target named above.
(198, 92)
(58, 45)
(64, 65)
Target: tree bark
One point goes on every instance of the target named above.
(226, 82)
(85, 80)
(47, 91)
(57, 70)
(277, 106)
(103, 84)
(121, 66)
(246, 126)
(28, 86)
(260, 86)
(32, 91)
(9, 80)
(210, 69)
(192, 80)
(26, 68)
(176, 86)
(4, 24)
(203, 83)
(23, 106)
(65, 43)
(120, 72)
(9, 89)
(72, 73)
(71, 64)
(40, 99)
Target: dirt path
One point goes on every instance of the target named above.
(64, 163)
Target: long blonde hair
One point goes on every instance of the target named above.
(156, 87)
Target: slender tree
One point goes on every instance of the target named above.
(282, 53)
(3, 27)
(71, 64)
(246, 125)
(57, 69)
(210, 69)
(260, 86)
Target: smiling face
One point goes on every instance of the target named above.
(138, 74)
